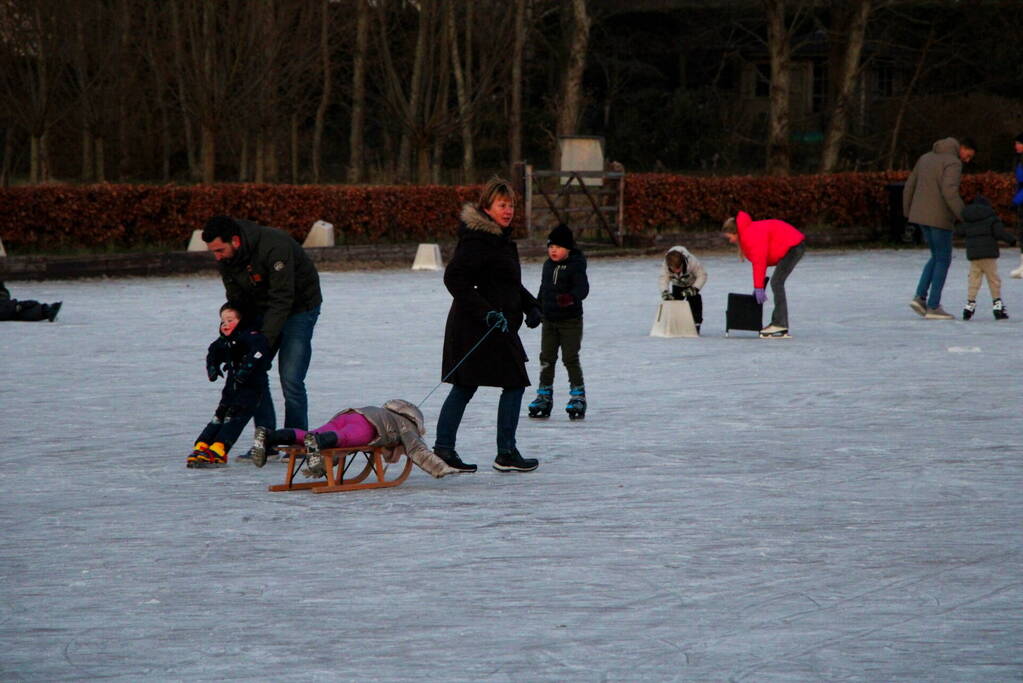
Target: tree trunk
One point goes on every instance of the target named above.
(321, 109)
(87, 161)
(405, 147)
(33, 160)
(260, 175)
(243, 160)
(780, 49)
(855, 32)
(906, 95)
(101, 159)
(464, 110)
(570, 106)
(209, 154)
(355, 135)
(6, 166)
(186, 121)
(294, 148)
(515, 115)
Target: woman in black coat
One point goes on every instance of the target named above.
(489, 303)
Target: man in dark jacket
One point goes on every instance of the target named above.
(267, 270)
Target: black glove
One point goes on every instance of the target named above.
(213, 371)
(497, 319)
(666, 295)
(690, 291)
(533, 317)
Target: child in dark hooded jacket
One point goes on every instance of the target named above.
(244, 353)
(563, 286)
(983, 229)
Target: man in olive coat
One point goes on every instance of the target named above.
(931, 200)
(265, 270)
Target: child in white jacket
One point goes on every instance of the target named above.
(682, 278)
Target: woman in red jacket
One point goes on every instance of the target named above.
(768, 243)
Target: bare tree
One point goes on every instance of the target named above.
(222, 48)
(357, 131)
(321, 109)
(518, 54)
(577, 38)
(779, 45)
(32, 57)
(853, 24)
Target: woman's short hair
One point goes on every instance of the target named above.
(496, 187)
(730, 225)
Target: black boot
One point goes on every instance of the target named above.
(450, 457)
(514, 462)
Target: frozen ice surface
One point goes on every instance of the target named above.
(842, 505)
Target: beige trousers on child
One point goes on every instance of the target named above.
(984, 267)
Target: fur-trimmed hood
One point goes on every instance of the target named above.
(474, 218)
(407, 410)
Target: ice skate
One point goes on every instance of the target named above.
(1018, 272)
(969, 309)
(998, 308)
(775, 332)
(194, 458)
(313, 459)
(257, 454)
(514, 462)
(576, 406)
(542, 404)
(209, 459)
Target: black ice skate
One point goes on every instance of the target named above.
(969, 309)
(576, 406)
(544, 401)
(999, 310)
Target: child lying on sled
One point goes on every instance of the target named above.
(396, 423)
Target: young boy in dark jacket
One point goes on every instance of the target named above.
(244, 352)
(563, 286)
(983, 229)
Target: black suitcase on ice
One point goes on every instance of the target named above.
(744, 313)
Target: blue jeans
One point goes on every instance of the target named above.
(293, 355)
(933, 276)
(508, 409)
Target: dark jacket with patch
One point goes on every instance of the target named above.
(244, 356)
(272, 275)
(561, 278)
(982, 229)
(485, 275)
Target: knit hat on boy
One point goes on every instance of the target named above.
(561, 236)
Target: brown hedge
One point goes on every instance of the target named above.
(54, 217)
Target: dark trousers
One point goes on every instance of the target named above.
(451, 412)
(568, 336)
(780, 315)
(234, 412)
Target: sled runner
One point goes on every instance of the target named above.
(337, 462)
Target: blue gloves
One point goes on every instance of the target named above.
(760, 295)
(533, 317)
(497, 319)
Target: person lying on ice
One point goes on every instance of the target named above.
(396, 423)
(245, 353)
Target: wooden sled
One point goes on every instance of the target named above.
(337, 461)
